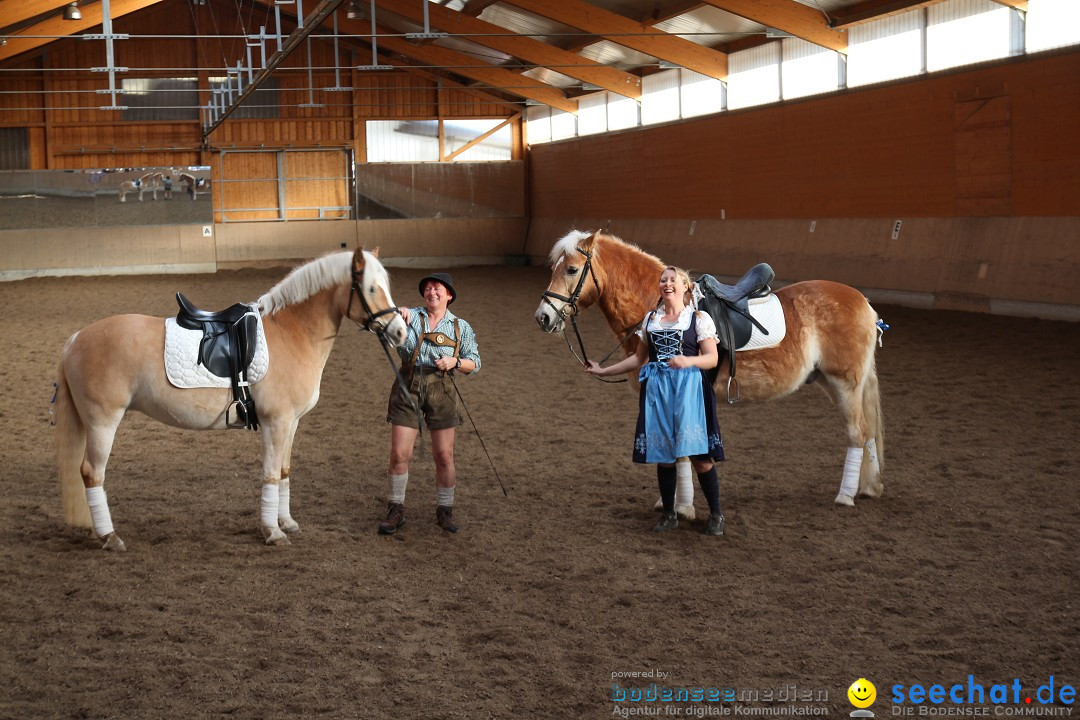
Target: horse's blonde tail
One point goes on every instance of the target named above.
(70, 451)
(874, 452)
(875, 422)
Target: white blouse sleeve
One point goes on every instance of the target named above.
(706, 328)
(642, 331)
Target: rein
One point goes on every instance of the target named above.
(571, 302)
(379, 328)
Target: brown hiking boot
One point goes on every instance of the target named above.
(395, 518)
(444, 516)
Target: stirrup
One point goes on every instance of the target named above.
(241, 420)
(731, 380)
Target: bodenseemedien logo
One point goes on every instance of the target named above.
(862, 694)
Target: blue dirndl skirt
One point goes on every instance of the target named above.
(676, 415)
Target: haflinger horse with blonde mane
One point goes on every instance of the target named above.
(830, 340)
(117, 364)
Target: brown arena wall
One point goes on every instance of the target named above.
(981, 165)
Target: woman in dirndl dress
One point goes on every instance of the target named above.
(676, 407)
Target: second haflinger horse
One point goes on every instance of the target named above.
(831, 337)
(152, 181)
(121, 363)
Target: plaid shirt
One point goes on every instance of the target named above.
(430, 352)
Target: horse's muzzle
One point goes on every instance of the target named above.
(548, 320)
(397, 331)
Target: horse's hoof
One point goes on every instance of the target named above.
(114, 543)
(686, 512)
(274, 536)
(289, 525)
(873, 491)
(842, 499)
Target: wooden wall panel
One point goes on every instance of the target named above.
(316, 179)
(248, 186)
(888, 151)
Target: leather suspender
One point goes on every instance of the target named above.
(439, 339)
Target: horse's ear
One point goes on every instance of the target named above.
(375, 251)
(358, 260)
(589, 242)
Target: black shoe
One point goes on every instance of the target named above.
(715, 525)
(668, 521)
(444, 516)
(395, 518)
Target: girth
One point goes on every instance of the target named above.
(226, 350)
(729, 307)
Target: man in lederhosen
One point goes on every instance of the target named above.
(438, 343)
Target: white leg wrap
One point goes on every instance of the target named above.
(99, 511)
(269, 505)
(444, 496)
(871, 450)
(283, 498)
(398, 484)
(684, 484)
(850, 484)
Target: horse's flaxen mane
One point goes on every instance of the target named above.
(306, 280)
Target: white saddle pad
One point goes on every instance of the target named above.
(770, 313)
(182, 357)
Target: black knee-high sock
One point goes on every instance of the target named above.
(710, 488)
(665, 477)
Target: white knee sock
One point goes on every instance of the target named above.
(850, 484)
(283, 498)
(444, 496)
(397, 487)
(99, 511)
(269, 508)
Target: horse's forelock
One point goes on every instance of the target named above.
(374, 271)
(306, 280)
(567, 245)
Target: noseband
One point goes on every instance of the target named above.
(571, 303)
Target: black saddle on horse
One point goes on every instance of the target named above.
(226, 349)
(729, 307)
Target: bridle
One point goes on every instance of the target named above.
(371, 323)
(569, 310)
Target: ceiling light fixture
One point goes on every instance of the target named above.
(71, 12)
(355, 11)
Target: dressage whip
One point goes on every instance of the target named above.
(477, 431)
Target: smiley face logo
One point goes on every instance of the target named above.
(862, 693)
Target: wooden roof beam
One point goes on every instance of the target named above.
(526, 48)
(475, 7)
(630, 33)
(91, 17)
(465, 65)
(871, 10)
(14, 13)
(788, 16)
(1017, 4)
